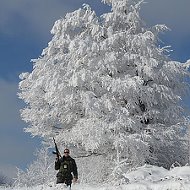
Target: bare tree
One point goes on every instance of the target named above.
(4, 180)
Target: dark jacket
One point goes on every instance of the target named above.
(73, 166)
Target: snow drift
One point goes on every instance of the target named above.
(146, 177)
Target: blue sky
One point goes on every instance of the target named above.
(25, 30)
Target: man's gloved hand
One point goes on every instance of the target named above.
(74, 180)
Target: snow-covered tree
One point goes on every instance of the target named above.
(40, 171)
(105, 86)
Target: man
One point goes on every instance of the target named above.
(66, 166)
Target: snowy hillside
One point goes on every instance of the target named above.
(143, 178)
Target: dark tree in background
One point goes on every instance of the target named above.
(4, 180)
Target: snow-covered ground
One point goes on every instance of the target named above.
(143, 178)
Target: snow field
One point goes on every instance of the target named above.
(146, 177)
(147, 186)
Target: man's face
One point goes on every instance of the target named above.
(66, 153)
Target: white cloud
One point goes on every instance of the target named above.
(174, 13)
(9, 103)
(8, 171)
(38, 16)
(16, 147)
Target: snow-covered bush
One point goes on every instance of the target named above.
(93, 169)
(40, 171)
(104, 85)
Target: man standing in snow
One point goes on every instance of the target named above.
(66, 166)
